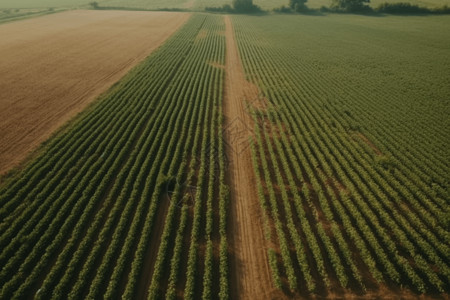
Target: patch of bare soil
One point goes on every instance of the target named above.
(216, 65)
(201, 35)
(250, 273)
(369, 143)
(53, 66)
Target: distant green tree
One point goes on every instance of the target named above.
(401, 8)
(94, 5)
(298, 5)
(350, 5)
(243, 5)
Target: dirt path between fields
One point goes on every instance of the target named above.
(250, 274)
(52, 67)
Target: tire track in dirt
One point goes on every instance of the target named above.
(250, 274)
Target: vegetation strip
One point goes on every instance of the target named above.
(91, 211)
(321, 186)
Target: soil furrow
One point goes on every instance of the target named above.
(250, 274)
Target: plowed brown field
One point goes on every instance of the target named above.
(52, 67)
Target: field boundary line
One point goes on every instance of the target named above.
(250, 273)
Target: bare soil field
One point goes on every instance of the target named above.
(250, 274)
(52, 67)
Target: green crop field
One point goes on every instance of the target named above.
(85, 212)
(189, 4)
(16, 14)
(151, 4)
(352, 150)
(271, 4)
(42, 3)
(348, 152)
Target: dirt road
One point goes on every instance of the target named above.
(51, 67)
(249, 265)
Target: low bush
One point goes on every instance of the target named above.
(401, 8)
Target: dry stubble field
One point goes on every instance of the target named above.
(52, 67)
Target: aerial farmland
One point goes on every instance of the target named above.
(193, 149)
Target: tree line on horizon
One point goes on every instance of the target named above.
(341, 6)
